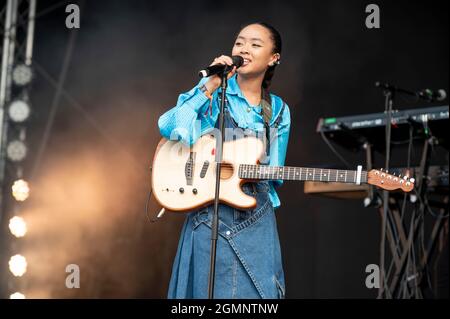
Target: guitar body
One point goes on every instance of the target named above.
(183, 177)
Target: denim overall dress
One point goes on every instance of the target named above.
(248, 260)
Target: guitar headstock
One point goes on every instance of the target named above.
(390, 182)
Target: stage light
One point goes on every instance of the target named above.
(18, 265)
(17, 226)
(16, 151)
(20, 190)
(17, 295)
(19, 111)
(22, 74)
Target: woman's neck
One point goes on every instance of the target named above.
(251, 88)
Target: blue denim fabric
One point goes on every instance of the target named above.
(248, 262)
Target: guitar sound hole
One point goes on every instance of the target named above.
(226, 170)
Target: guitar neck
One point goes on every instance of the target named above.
(300, 174)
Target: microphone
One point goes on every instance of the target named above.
(219, 68)
(431, 95)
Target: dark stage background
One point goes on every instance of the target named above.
(128, 63)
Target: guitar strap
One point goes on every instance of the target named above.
(266, 103)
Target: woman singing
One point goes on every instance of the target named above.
(248, 262)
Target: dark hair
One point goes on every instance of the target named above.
(276, 39)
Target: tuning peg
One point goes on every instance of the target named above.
(380, 169)
(405, 177)
(412, 180)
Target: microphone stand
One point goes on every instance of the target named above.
(418, 95)
(389, 92)
(215, 216)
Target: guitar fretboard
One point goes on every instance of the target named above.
(299, 174)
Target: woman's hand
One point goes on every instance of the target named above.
(214, 81)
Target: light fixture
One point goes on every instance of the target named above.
(20, 190)
(16, 151)
(18, 226)
(18, 265)
(17, 295)
(19, 111)
(22, 74)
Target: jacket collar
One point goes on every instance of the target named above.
(233, 87)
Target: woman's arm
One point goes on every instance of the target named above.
(190, 118)
(187, 120)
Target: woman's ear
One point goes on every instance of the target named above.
(275, 60)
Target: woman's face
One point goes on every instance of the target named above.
(256, 47)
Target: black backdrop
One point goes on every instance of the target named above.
(130, 61)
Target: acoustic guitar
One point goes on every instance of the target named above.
(183, 177)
